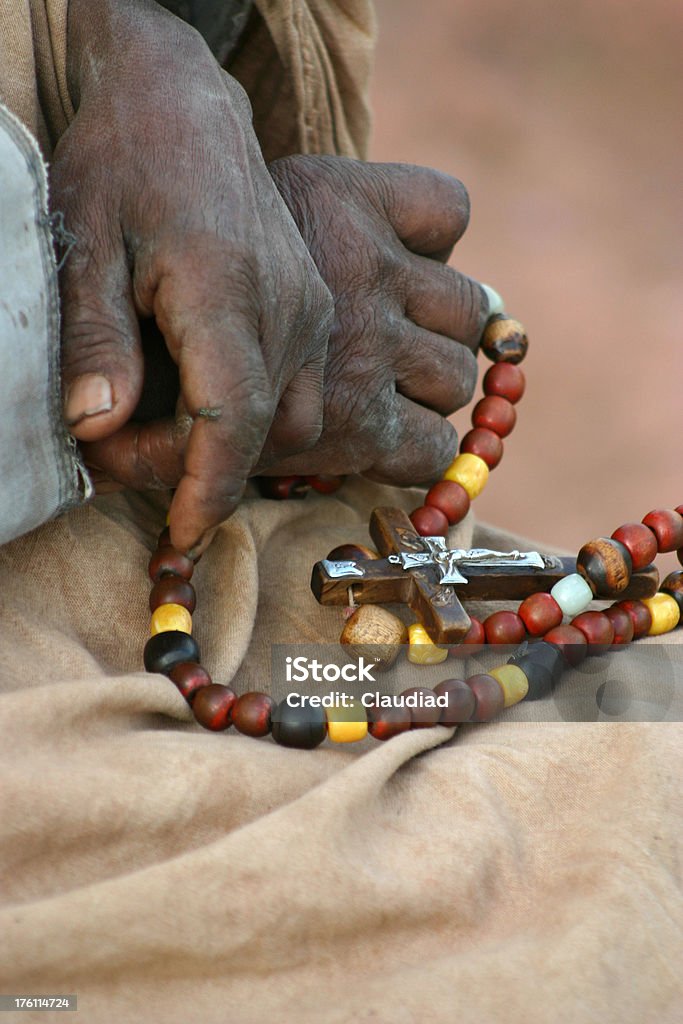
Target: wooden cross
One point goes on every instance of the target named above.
(422, 572)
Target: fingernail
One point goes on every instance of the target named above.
(200, 546)
(87, 396)
(496, 304)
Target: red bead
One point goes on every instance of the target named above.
(639, 541)
(496, 414)
(450, 498)
(474, 637)
(384, 723)
(667, 526)
(164, 540)
(504, 628)
(622, 624)
(484, 443)
(280, 488)
(571, 642)
(173, 590)
(539, 612)
(168, 560)
(351, 553)
(429, 521)
(597, 629)
(189, 677)
(325, 484)
(489, 696)
(251, 713)
(461, 701)
(422, 718)
(505, 380)
(640, 614)
(212, 706)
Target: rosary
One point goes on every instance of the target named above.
(413, 565)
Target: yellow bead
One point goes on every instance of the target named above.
(422, 649)
(347, 725)
(513, 682)
(470, 472)
(664, 611)
(171, 616)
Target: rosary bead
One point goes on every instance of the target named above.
(622, 624)
(597, 629)
(513, 681)
(570, 641)
(606, 566)
(461, 701)
(496, 414)
(667, 526)
(572, 594)
(422, 718)
(673, 586)
(505, 380)
(189, 677)
(351, 553)
(212, 707)
(164, 540)
(639, 541)
(664, 611)
(173, 590)
(489, 696)
(168, 617)
(429, 521)
(252, 712)
(422, 650)
(375, 634)
(470, 472)
(504, 340)
(542, 663)
(169, 561)
(450, 498)
(539, 613)
(485, 443)
(280, 488)
(640, 617)
(385, 723)
(165, 650)
(325, 484)
(504, 628)
(303, 728)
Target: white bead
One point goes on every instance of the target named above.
(496, 304)
(572, 594)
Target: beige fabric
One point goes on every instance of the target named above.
(521, 872)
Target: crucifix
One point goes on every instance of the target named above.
(423, 572)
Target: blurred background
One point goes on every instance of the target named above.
(564, 120)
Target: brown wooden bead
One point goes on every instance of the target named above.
(505, 380)
(170, 561)
(325, 484)
(489, 696)
(640, 617)
(384, 723)
(605, 564)
(351, 553)
(461, 701)
(622, 624)
(422, 718)
(484, 443)
(673, 585)
(189, 677)
(504, 340)
(374, 634)
(280, 488)
(173, 590)
(639, 541)
(473, 639)
(496, 414)
(539, 613)
(571, 641)
(251, 713)
(429, 521)
(212, 706)
(450, 498)
(597, 629)
(667, 526)
(504, 628)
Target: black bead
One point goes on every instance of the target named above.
(165, 650)
(304, 727)
(542, 664)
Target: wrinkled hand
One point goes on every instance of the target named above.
(161, 180)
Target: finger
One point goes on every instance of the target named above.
(441, 299)
(142, 456)
(434, 371)
(424, 447)
(298, 420)
(428, 210)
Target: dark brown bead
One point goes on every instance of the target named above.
(429, 521)
(252, 713)
(504, 340)
(484, 443)
(351, 553)
(542, 663)
(303, 728)
(667, 526)
(189, 677)
(325, 484)
(504, 628)
(605, 564)
(450, 498)
(640, 614)
(597, 629)
(169, 561)
(505, 380)
(461, 701)
(639, 541)
(622, 624)
(212, 706)
(539, 613)
(473, 639)
(422, 718)
(673, 585)
(280, 488)
(173, 590)
(489, 696)
(384, 723)
(496, 414)
(571, 642)
(164, 650)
